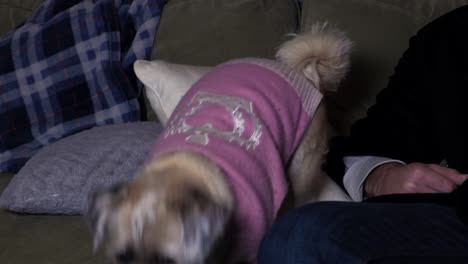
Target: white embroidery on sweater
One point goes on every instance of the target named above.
(236, 106)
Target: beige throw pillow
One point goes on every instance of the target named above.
(165, 83)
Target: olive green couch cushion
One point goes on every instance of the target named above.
(380, 30)
(208, 32)
(41, 239)
(13, 12)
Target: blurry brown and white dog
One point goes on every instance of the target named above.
(183, 208)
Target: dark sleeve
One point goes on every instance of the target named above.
(415, 109)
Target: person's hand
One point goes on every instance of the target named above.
(392, 178)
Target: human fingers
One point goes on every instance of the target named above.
(452, 174)
(412, 178)
(426, 189)
(437, 181)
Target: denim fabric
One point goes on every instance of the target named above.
(356, 233)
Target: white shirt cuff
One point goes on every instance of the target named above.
(357, 170)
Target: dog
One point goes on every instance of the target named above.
(219, 173)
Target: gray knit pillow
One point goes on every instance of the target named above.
(59, 178)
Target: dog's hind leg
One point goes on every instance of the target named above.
(308, 181)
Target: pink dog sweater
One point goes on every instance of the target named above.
(249, 117)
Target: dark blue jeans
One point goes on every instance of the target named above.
(349, 233)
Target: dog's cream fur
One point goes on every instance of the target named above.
(179, 209)
(322, 55)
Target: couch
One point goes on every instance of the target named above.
(208, 32)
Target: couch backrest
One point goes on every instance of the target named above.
(209, 32)
(380, 30)
(13, 12)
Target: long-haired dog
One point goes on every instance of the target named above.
(242, 136)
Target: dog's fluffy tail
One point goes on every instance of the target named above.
(321, 54)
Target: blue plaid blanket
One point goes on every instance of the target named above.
(69, 68)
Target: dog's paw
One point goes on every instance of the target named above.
(150, 221)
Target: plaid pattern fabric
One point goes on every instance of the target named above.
(69, 68)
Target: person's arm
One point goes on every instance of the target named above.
(419, 118)
(399, 125)
(357, 171)
(392, 178)
(369, 176)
